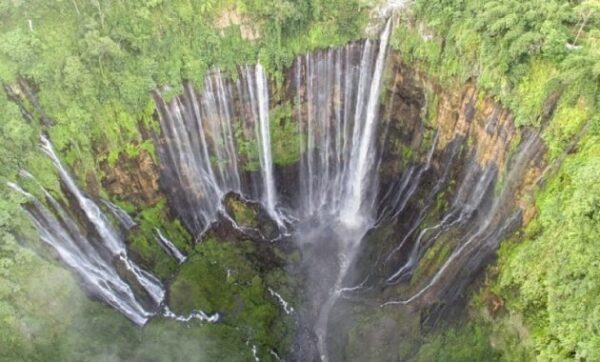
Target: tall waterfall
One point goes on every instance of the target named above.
(96, 251)
(93, 256)
(218, 140)
(337, 94)
(484, 224)
(264, 136)
(337, 104)
(89, 260)
(448, 199)
(207, 136)
(110, 237)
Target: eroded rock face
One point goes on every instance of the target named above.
(132, 179)
(416, 108)
(231, 17)
(455, 173)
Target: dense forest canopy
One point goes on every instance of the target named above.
(89, 66)
(95, 62)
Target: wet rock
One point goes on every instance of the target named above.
(133, 179)
(249, 218)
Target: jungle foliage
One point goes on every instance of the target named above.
(541, 59)
(551, 273)
(535, 57)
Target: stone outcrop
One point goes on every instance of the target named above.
(231, 17)
(133, 180)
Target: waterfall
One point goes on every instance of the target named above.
(96, 251)
(126, 221)
(339, 89)
(91, 210)
(363, 158)
(88, 260)
(484, 223)
(337, 105)
(169, 248)
(265, 143)
(216, 141)
(110, 237)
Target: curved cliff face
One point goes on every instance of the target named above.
(132, 179)
(458, 185)
(455, 179)
(452, 178)
(396, 192)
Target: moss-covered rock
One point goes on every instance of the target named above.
(144, 247)
(222, 277)
(253, 220)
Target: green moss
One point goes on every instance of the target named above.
(243, 214)
(431, 261)
(441, 202)
(247, 148)
(285, 136)
(219, 277)
(285, 140)
(467, 343)
(144, 247)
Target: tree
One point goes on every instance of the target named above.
(586, 9)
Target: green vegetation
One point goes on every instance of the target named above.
(285, 140)
(542, 60)
(551, 274)
(242, 213)
(219, 278)
(145, 248)
(526, 54)
(57, 322)
(89, 67)
(431, 261)
(45, 315)
(247, 149)
(464, 344)
(285, 136)
(94, 64)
